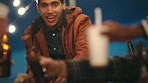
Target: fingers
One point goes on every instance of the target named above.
(50, 66)
(61, 79)
(54, 68)
(23, 78)
(45, 61)
(105, 30)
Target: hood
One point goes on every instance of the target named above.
(73, 11)
(69, 15)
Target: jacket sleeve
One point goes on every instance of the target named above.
(27, 31)
(119, 69)
(81, 40)
(28, 67)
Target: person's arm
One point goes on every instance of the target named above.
(126, 68)
(119, 69)
(119, 32)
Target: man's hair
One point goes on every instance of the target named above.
(62, 1)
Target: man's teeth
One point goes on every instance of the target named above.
(49, 17)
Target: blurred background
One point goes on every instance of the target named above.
(124, 11)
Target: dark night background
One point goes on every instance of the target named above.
(124, 11)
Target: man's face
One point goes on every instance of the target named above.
(51, 11)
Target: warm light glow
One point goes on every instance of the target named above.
(21, 11)
(5, 46)
(12, 28)
(5, 38)
(16, 3)
(5, 53)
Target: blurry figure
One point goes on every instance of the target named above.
(126, 68)
(4, 11)
(5, 50)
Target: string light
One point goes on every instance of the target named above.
(16, 3)
(21, 11)
(11, 28)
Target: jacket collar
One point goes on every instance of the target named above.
(69, 14)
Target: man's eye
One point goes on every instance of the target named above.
(55, 4)
(43, 5)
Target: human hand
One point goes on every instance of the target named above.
(61, 79)
(24, 78)
(55, 68)
(117, 32)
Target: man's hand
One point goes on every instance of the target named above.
(119, 32)
(24, 78)
(61, 79)
(55, 68)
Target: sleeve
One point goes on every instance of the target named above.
(144, 24)
(27, 46)
(118, 69)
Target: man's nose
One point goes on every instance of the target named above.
(49, 9)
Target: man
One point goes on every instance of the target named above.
(127, 68)
(59, 31)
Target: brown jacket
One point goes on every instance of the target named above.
(73, 34)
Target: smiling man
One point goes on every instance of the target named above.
(51, 12)
(59, 31)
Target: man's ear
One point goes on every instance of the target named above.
(64, 6)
